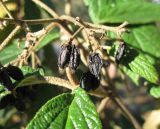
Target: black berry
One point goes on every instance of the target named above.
(19, 104)
(95, 64)
(15, 72)
(7, 100)
(64, 57)
(120, 53)
(74, 58)
(89, 82)
(5, 79)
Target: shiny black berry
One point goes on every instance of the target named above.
(64, 57)
(74, 58)
(5, 79)
(95, 64)
(15, 72)
(120, 53)
(26, 92)
(6, 101)
(20, 105)
(89, 82)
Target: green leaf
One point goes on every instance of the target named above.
(29, 80)
(155, 91)
(31, 77)
(146, 38)
(117, 11)
(143, 67)
(86, 2)
(135, 65)
(29, 70)
(11, 52)
(139, 64)
(67, 111)
(82, 112)
(133, 76)
(32, 11)
(3, 92)
(52, 114)
(52, 35)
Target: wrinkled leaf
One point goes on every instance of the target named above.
(144, 68)
(133, 76)
(67, 111)
(139, 64)
(136, 62)
(53, 114)
(146, 38)
(117, 11)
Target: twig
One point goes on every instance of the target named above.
(75, 34)
(116, 99)
(13, 33)
(31, 22)
(26, 53)
(33, 60)
(102, 104)
(10, 36)
(54, 14)
(83, 56)
(59, 82)
(44, 80)
(6, 9)
(37, 60)
(60, 20)
(120, 104)
(79, 22)
(45, 7)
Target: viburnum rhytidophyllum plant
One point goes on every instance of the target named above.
(123, 36)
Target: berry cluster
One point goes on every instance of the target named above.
(90, 80)
(19, 100)
(69, 56)
(6, 73)
(13, 99)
